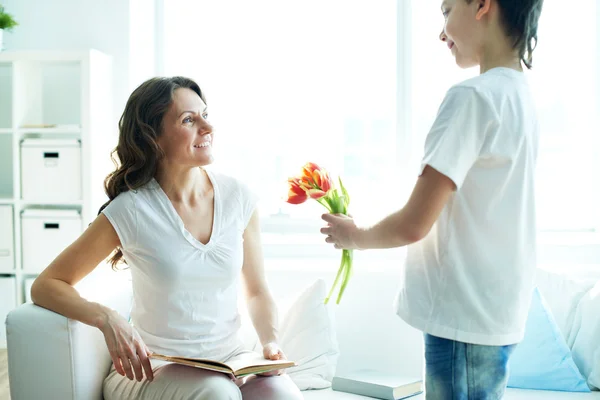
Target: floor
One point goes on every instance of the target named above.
(4, 392)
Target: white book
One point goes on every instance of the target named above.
(379, 385)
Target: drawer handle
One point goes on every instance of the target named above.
(4, 253)
(50, 154)
(51, 226)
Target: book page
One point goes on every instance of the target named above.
(203, 361)
(190, 361)
(247, 364)
(257, 361)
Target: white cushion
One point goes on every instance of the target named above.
(562, 294)
(574, 303)
(584, 339)
(306, 335)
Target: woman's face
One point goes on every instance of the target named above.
(186, 134)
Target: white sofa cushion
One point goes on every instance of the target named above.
(562, 294)
(306, 335)
(574, 301)
(585, 336)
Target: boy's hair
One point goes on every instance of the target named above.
(520, 19)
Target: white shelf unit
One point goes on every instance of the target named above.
(53, 95)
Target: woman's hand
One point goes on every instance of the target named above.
(127, 350)
(272, 351)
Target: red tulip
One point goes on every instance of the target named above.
(296, 194)
(316, 194)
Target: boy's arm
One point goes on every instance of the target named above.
(408, 225)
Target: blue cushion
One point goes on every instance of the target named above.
(543, 360)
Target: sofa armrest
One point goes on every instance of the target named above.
(50, 356)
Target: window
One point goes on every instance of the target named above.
(331, 81)
(291, 82)
(566, 85)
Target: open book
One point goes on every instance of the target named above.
(376, 384)
(237, 368)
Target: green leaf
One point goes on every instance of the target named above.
(325, 203)
(337, 277)
(6, 21)
(336, 203)
(342, 205)
(345, 192)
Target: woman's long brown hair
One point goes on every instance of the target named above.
(137, 153)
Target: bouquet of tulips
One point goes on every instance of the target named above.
(316, 183)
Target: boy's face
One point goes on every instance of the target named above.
(463, 31)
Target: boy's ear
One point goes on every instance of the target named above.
(483, 9)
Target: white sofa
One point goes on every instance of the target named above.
(51, 357)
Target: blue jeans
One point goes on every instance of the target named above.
(463, 371)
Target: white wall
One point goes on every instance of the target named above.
(119, 28)
(142, 41)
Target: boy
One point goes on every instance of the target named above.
(470, 221)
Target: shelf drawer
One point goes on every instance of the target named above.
(45, 234)
(51, 170)
(7, 253)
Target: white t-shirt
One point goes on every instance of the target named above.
(471, 278)
(185, 292)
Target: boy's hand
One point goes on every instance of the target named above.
(341, 231)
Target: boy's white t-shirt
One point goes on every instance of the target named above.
(471, 278)
(185, 292)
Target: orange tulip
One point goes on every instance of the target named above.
(323, 180)
(309, 168)
(296, 194)
(315, 181)
(305, 183)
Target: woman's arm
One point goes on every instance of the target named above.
(54, 290)
(261, 306)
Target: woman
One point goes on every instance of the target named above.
(187, 234)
